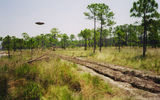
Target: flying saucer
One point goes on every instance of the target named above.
(39, 23)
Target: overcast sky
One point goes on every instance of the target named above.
(18, 16)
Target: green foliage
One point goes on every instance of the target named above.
(29, 72)
(31, 91)
(72, 40)
(147, 10)
(104, 15)
(128, 57)
(53, 37)
(157, 66)
(91, 54)
(85, 34)
(119, 37)
(3, 87)
(93, 8)
(101, 12)
(49, 80)
(95, 81)
(66, 94)
(74, 85)
(72, 36)
(1, 38)
(27, 42)
(59, 93)
(7, 44)
(64, 40)
(4, 69)
(55, 32)
(25, 36)
(154, 33)
(32, 43)
(60, 76)
(108, 88)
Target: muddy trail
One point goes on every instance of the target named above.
(138, 79)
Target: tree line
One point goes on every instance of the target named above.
(49, 40)
(143, 34)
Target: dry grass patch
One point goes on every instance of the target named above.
(128, 57)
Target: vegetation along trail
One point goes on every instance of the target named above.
(137, 79)
(56, 54)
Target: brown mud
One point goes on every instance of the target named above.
(137, 79)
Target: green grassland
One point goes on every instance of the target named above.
(51, 79)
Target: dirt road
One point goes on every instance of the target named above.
(137, 79)
(3, 54)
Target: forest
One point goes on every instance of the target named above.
(52, 66)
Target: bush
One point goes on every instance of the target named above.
(46, 80)
(75, 86)
(108, 89)
(66, 94)
(31, 91)
(3, 87)
(95, 81)
(58, 93)
(4, 69)
(26, 71)
(87, 77)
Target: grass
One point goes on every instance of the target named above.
(50, 79)
(128, 57)
(30, 91)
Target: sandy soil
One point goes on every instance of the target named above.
(143, 86)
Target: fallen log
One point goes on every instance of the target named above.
(37, 59)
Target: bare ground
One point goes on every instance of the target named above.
(138, 83)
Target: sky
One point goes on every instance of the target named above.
(18, 16)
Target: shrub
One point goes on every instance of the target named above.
(74, 86)
(108, 89)
(46, 80)
(91, 54)
(95, 81)
(29, 72)
(3, 87)
(59, 93)
(4, 69)
(87, 77)
(66, 94)
(157, 66)
(31, 91)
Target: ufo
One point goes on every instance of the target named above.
(39, 23)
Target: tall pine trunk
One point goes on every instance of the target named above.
(144, 36)
(119, 43)
(8, 48)
(85, 48)
(9, 55)
(100, 46)
(94, 49)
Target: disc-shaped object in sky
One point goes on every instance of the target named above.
(39, 23)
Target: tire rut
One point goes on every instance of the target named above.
(138, 80)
